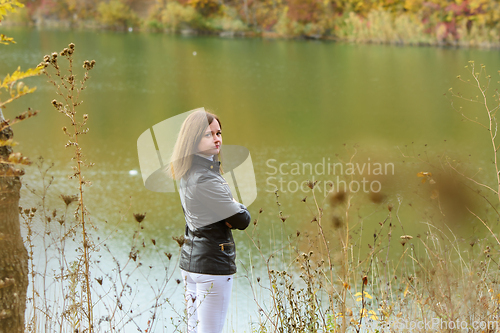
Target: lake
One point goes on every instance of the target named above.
(299, 107)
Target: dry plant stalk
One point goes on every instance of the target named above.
(482, 81)
(69, 89)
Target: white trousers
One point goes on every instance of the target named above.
(207, 298)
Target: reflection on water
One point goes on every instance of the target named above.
(287, 102)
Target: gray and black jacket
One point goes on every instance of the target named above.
(208, 204)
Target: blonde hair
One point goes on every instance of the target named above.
(189, 137)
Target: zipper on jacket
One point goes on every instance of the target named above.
(224, 244)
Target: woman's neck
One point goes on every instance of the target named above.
(211, 157)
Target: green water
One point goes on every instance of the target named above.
(286, 101)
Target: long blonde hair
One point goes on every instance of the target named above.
(189, 137)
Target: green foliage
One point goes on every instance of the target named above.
(228, 21)
(153, 25)
(176, 17)
(116, 14)
(381, 26)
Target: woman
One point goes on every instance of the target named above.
(208, 254)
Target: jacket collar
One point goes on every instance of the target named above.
(206, 163)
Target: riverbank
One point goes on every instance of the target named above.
(431, 23)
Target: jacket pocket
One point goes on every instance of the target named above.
(226, 245)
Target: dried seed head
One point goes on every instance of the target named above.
(68, 199)
(337, 221)
(169, 255)
(46, 58)
(406, 237)
(88, 65)
(71, 46)
(54, 55)
(337, 197)
(377, 197)
(180, 240)
(310, 184)
(139, 217)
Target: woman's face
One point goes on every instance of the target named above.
(211, 140)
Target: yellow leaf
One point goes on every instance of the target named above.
(6, 40)
(19, 75)
(8, 6)
(424, 174)
(373, 315)
(406, 290)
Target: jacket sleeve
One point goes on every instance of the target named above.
(240, 220)
(218, 200)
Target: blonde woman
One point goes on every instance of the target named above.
(207, 260)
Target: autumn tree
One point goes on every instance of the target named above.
(13, 254)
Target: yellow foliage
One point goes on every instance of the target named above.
(175, 15)
(18, 158)
(359, 296)
(19, 75)
(117, 13)
(6, 40)
(9, 142)
(20, 89)
(8, 6)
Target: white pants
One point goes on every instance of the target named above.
(207, 298)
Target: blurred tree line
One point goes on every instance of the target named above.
(434, 22)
